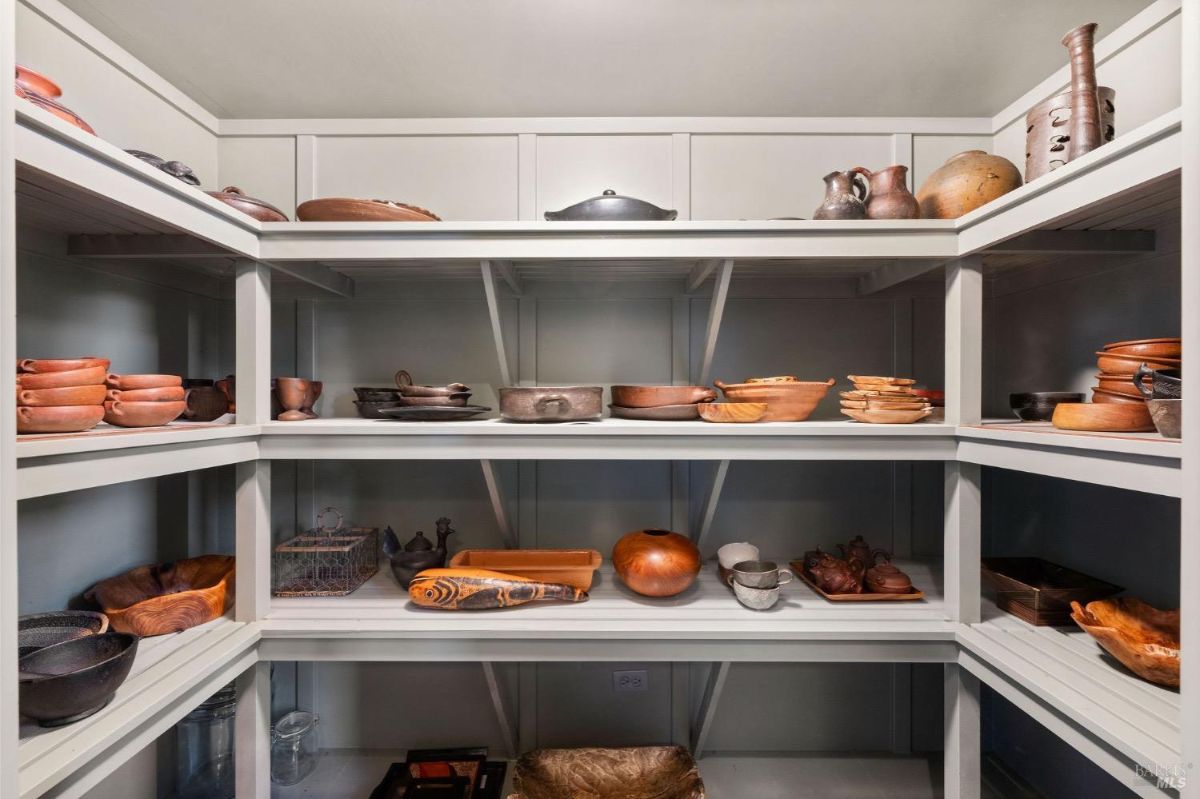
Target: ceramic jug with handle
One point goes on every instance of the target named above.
(844, 196)
(888, 196)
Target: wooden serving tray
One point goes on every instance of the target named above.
(866, 596)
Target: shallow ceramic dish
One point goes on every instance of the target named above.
(142, 414)
(61, 419)
(93, 376)
(163, 394)
(661, 413)
(41, 91)
(70, 681)
(574, 567)
(32, 81)
(165, 598)
(39, 630)
(1128, 364)
(433, 413)
(887, 416)
(1143, 638)
(1103, 417)
(635, 772)
(68, 395)
(659, 396)
(787, 400)
(1167, 415)
(131, 382)
(1147, 348)
(1038, 406)
(253, 207)
(732, 412)
(349, 209)
(1113, 397)
(44, 365)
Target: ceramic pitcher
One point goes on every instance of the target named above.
(844, 195)
(889, 197)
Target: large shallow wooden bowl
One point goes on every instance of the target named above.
(92, 376)
(166, 597)
(1115, 398)
(787, 400)
(67, 395)
(1128, 364)
(1104, 417)
(732, 412)
(635, 772)
(657, 396)
(1144, 638)
(574, 567)
(1147, 348)
(656, 562)
(1118, 384)
(44, 365)
(349, 209)
(61, 419)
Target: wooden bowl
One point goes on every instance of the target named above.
(1119, 384)
(732, 412)
(168, 597)
(787, 400)
(657, 396)
(163, 394)
(663, 772)
(1113, 397)
(92, 376)
(1128, 364)
(142, 414)
(574, 567)
(656, 562)
(887, 416)
(1148, 348)
(56, 397)
(348, 209)
(132, 382)
(58, 419)
(1143, 638)
(44, 365)
(1103, 417)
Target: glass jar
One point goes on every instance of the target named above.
(294, 747)
(204, 755)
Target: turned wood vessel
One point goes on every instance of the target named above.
(656, 562)
(1105, 417)
(166, 597)
(636, 772)
(347, 209)
(732, 412)
(965, 182)
(1143, 638)
(788, 400)
(1086, 134)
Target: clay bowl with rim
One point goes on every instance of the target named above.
(1143, 638)
(1147, 348)
(142, 414)
(162, 598)
(1128, 364)
(70, 681)
(58, 419)
(36, 82)
(161, 394)
(887, 417)
(660, 413)
(131, 382)
(1117, 384)
(574, 567)
(57, 397)
(1112, 397)
(732, 412)
(456, 400)
(787, 400)
(44, 365)
(658, 396)
(93, 376)
(1115, 417)
(1038, 406)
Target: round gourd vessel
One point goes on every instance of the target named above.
(656, 562)
(965, 182)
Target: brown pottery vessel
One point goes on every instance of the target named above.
(888, 196)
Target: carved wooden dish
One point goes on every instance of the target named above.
(732, 411)
(1144, 638)
(1104, 417)
(635, 772)
(167, 597)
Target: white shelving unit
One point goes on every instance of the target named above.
(112, 207)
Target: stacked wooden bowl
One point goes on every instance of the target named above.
(1119, 362)
(60, 395)
(144, 400)
(884, 400)
(660, 403)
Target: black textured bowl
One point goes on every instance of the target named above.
(64, 683)
(39, 630)
(372, 410)
(1038, 406)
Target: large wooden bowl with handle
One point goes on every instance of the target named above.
(165, 598)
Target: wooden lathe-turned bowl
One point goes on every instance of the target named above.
(1143, 638)
(656, 562)
(60, 419)
(167, 597)
(787, 400)
(142, 414)
(1128, 364)
(1147, 348)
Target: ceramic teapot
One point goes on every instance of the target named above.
(418, 554)
(835, 576)
(884, 578)
(889, 197)
(860, 550)
(845, 193)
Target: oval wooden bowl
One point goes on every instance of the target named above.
(1128, 364)
(132, 382)
(93, 376)
(1118, 384)
(163, 394)
(1115, 398)
(142, 414)
(732, 412)
(1147, 348)
(887, 416)
(787, 400)
(55, 397)
(656, 562)
(58, 419)
(1143, 638)
(1103, 417)
(663, 772)
(657, 396)
(168, 597)
(44, 365)
(349, 209)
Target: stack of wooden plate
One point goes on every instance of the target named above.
(1119, 363)
(884, 400)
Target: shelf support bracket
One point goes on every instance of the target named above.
(708, 707)
(1068, 242)
(489, 290)
(504, 714)
(699, 274)
(961, 768)
(893, 273)
(709, 512)
(715, 311)
(498, 507)
(319, 275)
(509, 275)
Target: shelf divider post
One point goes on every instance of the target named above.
(962, 771)
(252, 764)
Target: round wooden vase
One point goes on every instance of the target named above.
(292, 392)
(656, 562)
(965, 182)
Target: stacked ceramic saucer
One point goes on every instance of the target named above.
(884, 400)
(144, 400)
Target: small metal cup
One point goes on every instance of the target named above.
(760, 574)
(756, 598)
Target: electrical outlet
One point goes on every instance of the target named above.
(630, 681)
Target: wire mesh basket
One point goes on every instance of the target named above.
(328, 560)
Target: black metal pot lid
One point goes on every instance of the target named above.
(611, 207)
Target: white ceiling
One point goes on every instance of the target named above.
(478, 58)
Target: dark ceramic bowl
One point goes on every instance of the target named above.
(1038, 406)
(373, 410)
(368, 394)
(64, 683)
(39, 630)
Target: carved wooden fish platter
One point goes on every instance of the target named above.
(481, 589)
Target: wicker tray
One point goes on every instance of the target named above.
(1040, 592)
(865, 596)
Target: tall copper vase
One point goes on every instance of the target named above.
(1086, 133)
